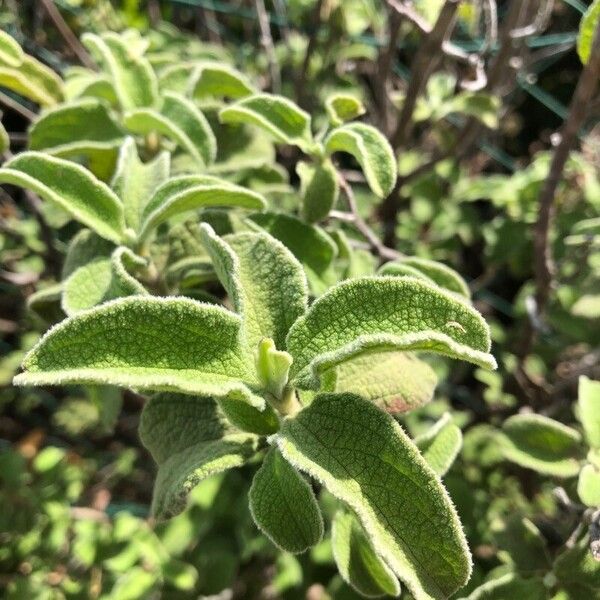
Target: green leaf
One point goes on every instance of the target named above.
(441, 444)
(191, 192)
(4, 139)
(542, 444)
(131, 74)
(308, 243)
(481, 106)
(71, 187)
(265, 283)
(395, 381)
(343, 107)
(161, 344)
(11, 53)
(319, 189)
(510, 585)
(587, 28)
(362, 456)
(180, 121)
(577, 566)
(84, 247)
(135, 182)
(385, 313)
(80, 128)
(588, 485)
(101, 280)
(356, 559)
(190, 440)
(221, 81)
(284, 506)
(33, 80)
(277, 115)
(85, 83)
(372, 152)
(588, 403)
(433, 270)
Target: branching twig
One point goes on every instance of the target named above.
(354, 217)
(266, 39)
(18, 108)
(422, 68)
(65, 31)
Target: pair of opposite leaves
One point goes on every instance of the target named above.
(358, 452)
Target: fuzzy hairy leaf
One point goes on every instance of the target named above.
(84, 247)
(101, 280)
(308, 243)
(433, 270)
(222, 81)
(284, 506)
(131, 74)
(372, 152)
(319, 189)
(190, 439)
(180, 121)
(395, 381)
(587, 28)
(588, 403)
(588, 485)
(161, 344)
(357, 561)
(542, 444)
(135, 182)
(441, 444)
(342, 107)
(264, 281)
(385, 313)
(11, 53)
(70, 186)
(33, 80)
(362, 456)
(277, 115)
(191, 192)
(577, 566)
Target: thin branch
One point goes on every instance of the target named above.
(354, 217)
(540, 22)
(266, 39)
(18, 108)
(65, 31)
(422, 68)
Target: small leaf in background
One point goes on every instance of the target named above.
(588, 485)
(191, 192)
(385, 313)
(131, 74)
(277, 115)
(433, 270)
(135, 182)
(284, 506)
(510, 585)
(33, 80)
(542, 444)
(588, 404)
(358, 562)
(343, 107)
(190, 440)
(372, 152)
(265, 283)
(71, 187)
(441, 444)
(577, 567)
(587, 28)
(395, 381)
(101, 280)
(363, 457)
(84, 247)
(319, 189)
(168, 344)
(4, 139)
